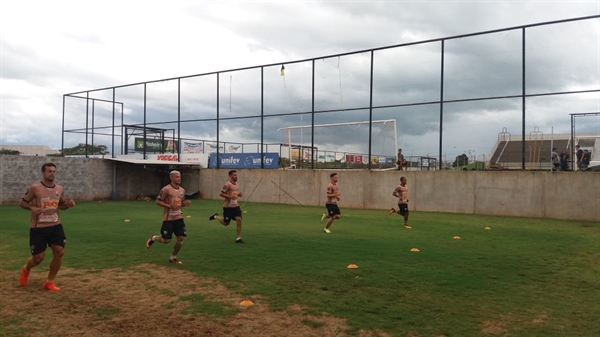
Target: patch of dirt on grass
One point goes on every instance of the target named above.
(145, 301)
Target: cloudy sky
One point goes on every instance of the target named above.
(50, 48)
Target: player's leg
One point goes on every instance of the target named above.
(38, 242)
(330, 214)
(57, 242)
(237, 215)
(166, 233)
(225, 219)
(404, 213)
(180, 233)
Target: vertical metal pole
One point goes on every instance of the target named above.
(112, 149)
(441, 105)
(87, 112)
(93, 128)
(178, 144)
(523, 105)
(217, 154)
(371, 110)
(312, 128)
(572, 141)
(144, 134)
(62, 143)
(123, 132)
(262, 118)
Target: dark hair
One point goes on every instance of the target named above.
(576, 145)
(402, 178)
(230, 172)
(47, 165)
(332, 175)
(553, 149)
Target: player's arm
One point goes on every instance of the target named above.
(26, 203)
(65, 204)
(225, 192)
(395, 193)
(331, 194)
(160, 202)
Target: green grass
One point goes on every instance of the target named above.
(536, 277)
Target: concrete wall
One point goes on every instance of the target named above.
(87, 179)
(559, 195)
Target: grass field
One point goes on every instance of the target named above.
(524, 277)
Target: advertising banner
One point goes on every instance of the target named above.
(193, 147)
(243, 160)
(155, 145)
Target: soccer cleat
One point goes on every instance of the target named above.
(392, 211)
(407, 227)
(24, 277)
(49, 285)
(326, 230)
(149, 243)
(212, 217)
(239, 241)
(322, 217)
(175, 261)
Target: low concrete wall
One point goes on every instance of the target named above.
(87, 178)
(558, 195)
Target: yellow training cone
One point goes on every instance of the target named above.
(488, 228)
(352, 266)
(245, 212)
(189, 216)
(456, 237)
(246, 303)
(415, 250)
(126, 220)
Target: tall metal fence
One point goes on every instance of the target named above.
(448, 97)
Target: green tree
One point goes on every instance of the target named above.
(461, 160)
(7, 151)
(79, 150)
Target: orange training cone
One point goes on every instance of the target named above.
(488, 228)
(352, 266)
(456, 237)
(246, 303)
(416, 250)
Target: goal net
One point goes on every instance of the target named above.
(342, 143)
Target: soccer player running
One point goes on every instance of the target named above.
(231, 209)
(171, 199)
(333, 196)
(44, 200)
(401, 192)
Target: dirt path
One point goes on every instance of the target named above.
(144, 301)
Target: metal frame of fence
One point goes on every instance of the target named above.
(91, 130)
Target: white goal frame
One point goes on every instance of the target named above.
(381, 121)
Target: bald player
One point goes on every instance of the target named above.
(171, 199)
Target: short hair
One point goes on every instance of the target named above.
(553, 149)
(174, 172)
(399, 149)
(332, 175)
(231, 172)
(577, 146)
(47, 165)
(402, 178)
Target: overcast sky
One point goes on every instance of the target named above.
(49, 48)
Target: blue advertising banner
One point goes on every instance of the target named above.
(243, 160)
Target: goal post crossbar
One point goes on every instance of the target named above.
(383, 121)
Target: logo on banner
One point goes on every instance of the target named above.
(192, 147)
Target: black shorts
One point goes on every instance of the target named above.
(231, 213)
(172, 226)
(333, 209)
(403, 209)
(40, 238)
